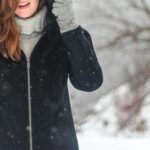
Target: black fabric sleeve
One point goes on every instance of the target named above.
(85, 72)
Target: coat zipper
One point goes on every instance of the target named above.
(29, 103)
(29, 92)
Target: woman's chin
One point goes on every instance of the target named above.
(24, 16)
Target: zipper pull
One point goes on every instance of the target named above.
(28, 63)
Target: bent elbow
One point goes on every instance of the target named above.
(87, 85)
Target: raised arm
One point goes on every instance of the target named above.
(85, 72)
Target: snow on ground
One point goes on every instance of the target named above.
(90, 142)
(97, 135)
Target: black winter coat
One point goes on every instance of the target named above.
(35, 111)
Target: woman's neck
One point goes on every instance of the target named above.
(32, 24)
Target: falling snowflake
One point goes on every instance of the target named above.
(5, 87)
(28, 128)
(51, 137)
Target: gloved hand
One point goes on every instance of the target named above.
(64, 11)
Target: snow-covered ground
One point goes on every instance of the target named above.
(95, 135)
(94, 142)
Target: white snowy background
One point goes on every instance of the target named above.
(117, 115)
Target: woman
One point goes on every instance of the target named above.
(41, 47)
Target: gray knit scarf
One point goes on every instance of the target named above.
(33, 24)
(31, 29)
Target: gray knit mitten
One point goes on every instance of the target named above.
(64, 11)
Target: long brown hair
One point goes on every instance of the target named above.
(9, 33)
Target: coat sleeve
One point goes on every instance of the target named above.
(85, 72)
